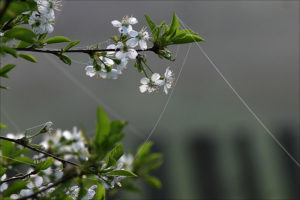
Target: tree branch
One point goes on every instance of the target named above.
(22, 143)
(87, 51)
(21, 176)
(34, 195)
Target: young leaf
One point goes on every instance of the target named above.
(100, 192)
(3, 87)
(144, 149)
(187, 38)
(2, 171)
(45, 164)
(23, 44)
(7, 148)
(9, 50)
(21, 33)
(102, 128)
(28, 57)
(174, 25)
(114, 155)
(16, 8)
(151, 24)
(4, 70)
(71, 44)
(2, 126)
(24, 159)
(57, 39)
(65, 59)
(122, 173)
(15, 187)
(155, 182)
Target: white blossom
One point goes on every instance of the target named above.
(90, 71)
(122, 65)
(130, 53)
(3, 186)
(168, 80)
(138, 38)
(41, 23)
(127, 161)
(48, 126)
(124, 25)
(15, 136)
(36, 182)
(112, 74)
(48, 6)
(74, 191)
(150, 85)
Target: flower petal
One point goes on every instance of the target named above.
(132, 54)
(145, 81)
(38, 181)
(155, 77)
(143, 88)
(116, 23)
(120, 55)
(108, 61)
(133, 33)
(132, 20)
(143, 44)
(133, 42)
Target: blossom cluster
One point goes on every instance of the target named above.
(71, 145)
(110, 64)
(156, 81)
(42, 20)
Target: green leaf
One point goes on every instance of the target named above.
(100, 192)
(28, 57)
(122, 173)
(45, 164)
(174, 25)
(116, 133)
(151, 24)
(4, 70)
(57, 39)
(187, 38)
(155, 182)
(102, 128)
(2, 126)
(2, 171)
(144, 149)
(16, 8)
(3, 87)
(71, 44)
(24, 159)
(65, 59)
(23, 44)
(9, 50)
(114, 155)
(158, 30)
(7, 148)
(15, 187)
(21, 33)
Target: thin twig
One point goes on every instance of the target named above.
(34, 195)
(20, 176)
(22, 143)
(87, 51)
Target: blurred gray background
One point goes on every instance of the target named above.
(214, 148)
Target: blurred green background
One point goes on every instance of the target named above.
(213, 147)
